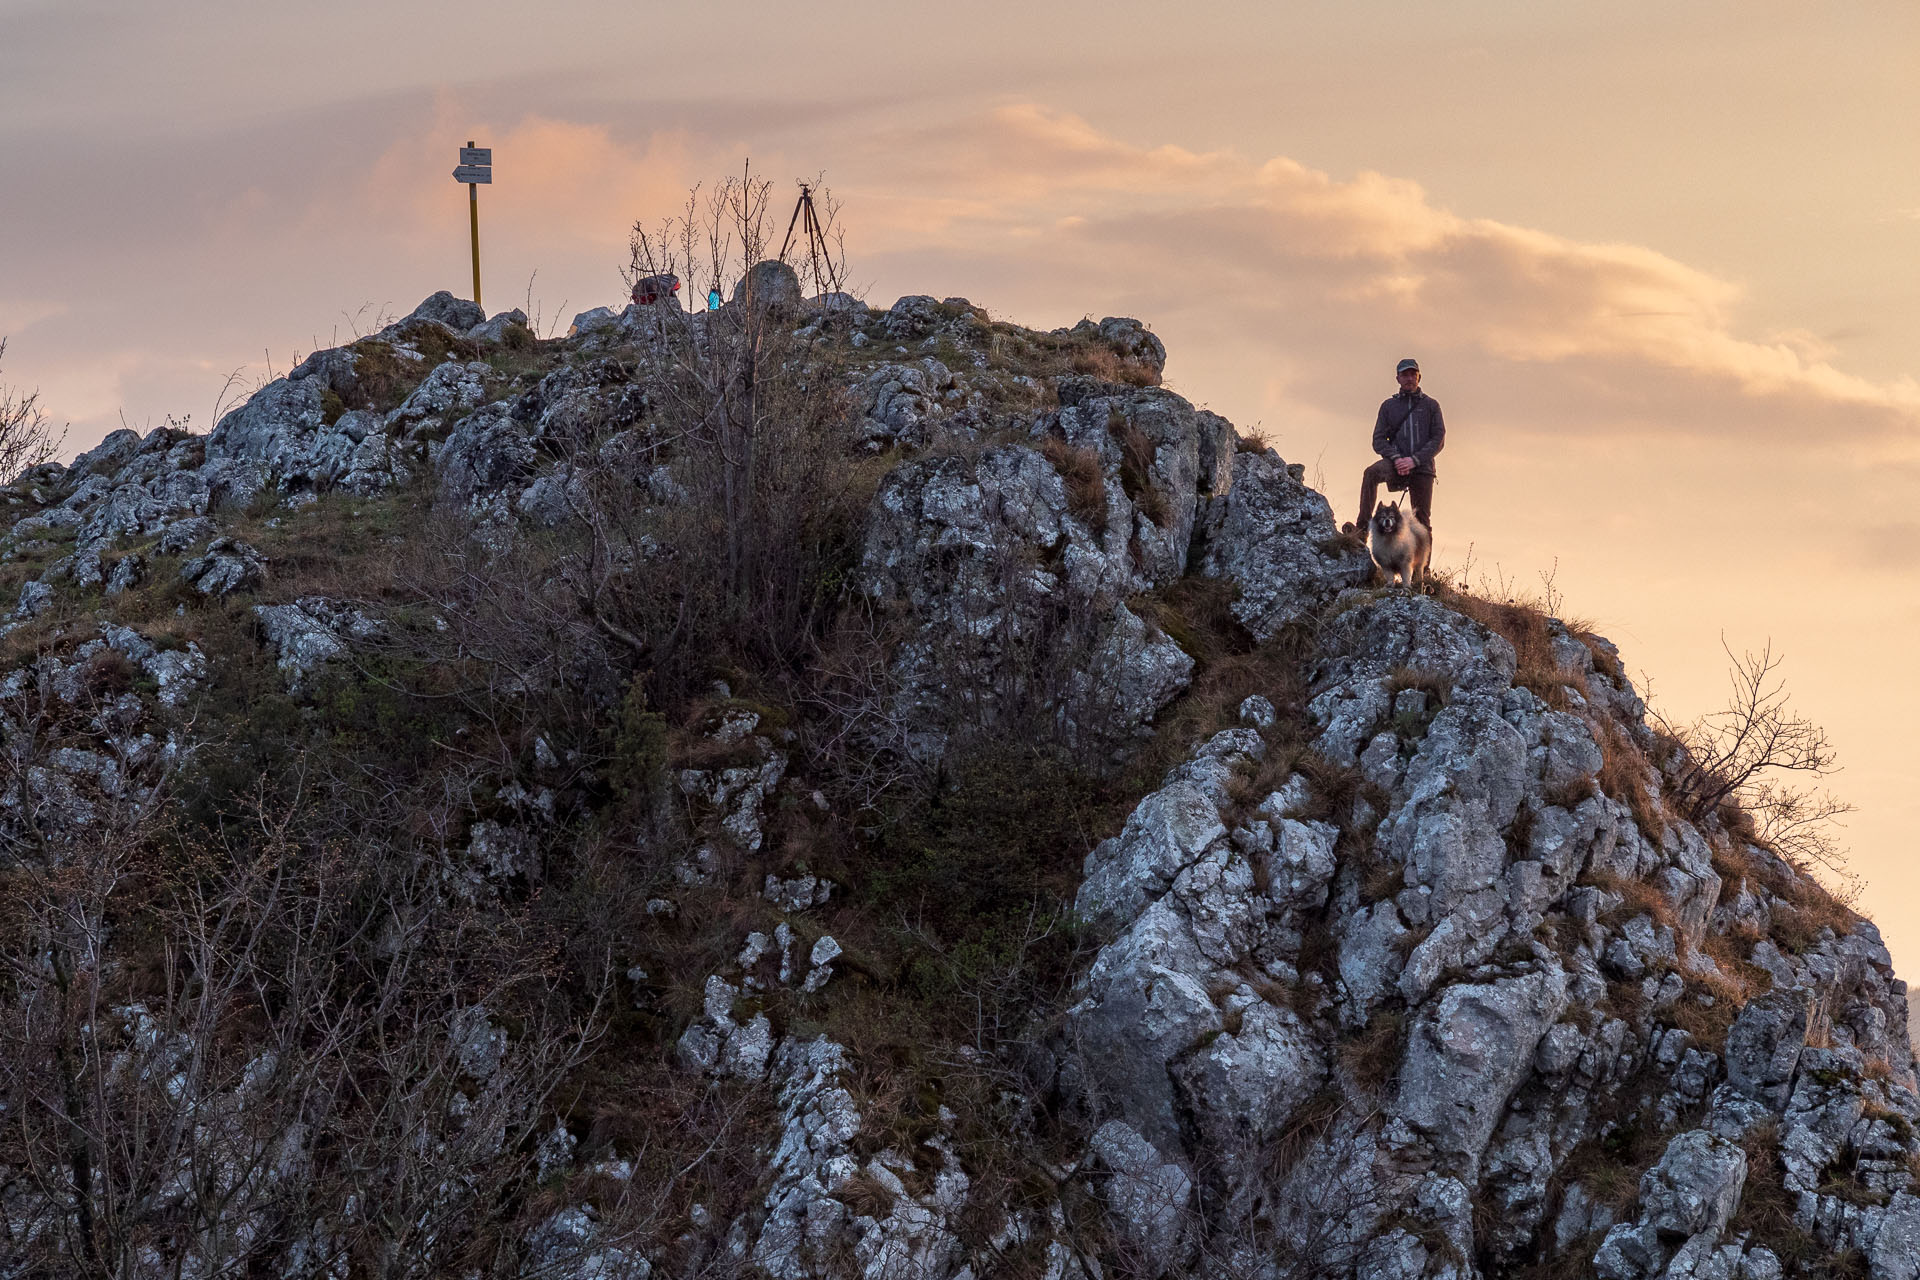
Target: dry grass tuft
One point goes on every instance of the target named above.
(1308, 1125)
(865, 1195)
(1136, 470)
(1086, 487)
(1610, 1167)
(1637, 897)
(1708, 1024)
(1625, 777)
(1604, 660)
(1803, 907)
(1767, 1209)
(1197, 614)
(1530, 632)
(1371, 1057)
(1103, 362)
(1434, 684)
(1380, 879)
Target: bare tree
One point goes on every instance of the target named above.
(1800, 825)
(738, 554)
(1738, 754)
(27, 439)
(222, 1048)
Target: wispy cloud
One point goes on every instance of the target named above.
(1238, 260)
(1364, 255)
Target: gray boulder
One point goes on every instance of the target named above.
(1468, 1053)
(553, 499)
(35, 599)
(277, 423)
(311, 631)
(487, 452)
(1242, 1087)
(912, 316)
(131, 510)
(981, 556)
(128, 572)
(900, 400)
(1146, 1003)
(1895, 1253)
(108, 456)
(228, 565)
(178, 672)
(1686, 1201)
(1134, 341)
(1695, 1187)
(1764, 1044)
(771, 284)
(1147, 1194)
(451, 390)
(333, 368)
(183, 535)
(568, 1246)
(508, 326)
(281, 439)
(1274, 537)
(1170, 830)
(1131, 340)
(592, 321)
(458, 314)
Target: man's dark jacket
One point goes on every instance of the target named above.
(1410, 426)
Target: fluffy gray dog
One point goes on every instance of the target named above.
(1400, 544)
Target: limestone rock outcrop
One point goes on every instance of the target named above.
(1388, 949)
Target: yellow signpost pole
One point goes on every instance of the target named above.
(476, 167)
(473, 220)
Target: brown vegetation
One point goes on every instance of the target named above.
(1370, 1059)
(1136, 470)
(1530, 631)
(1086, 484)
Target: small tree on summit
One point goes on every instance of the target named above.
(747, 559)
(1737, 755)
(26, 437)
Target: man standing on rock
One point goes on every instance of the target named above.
(1406, 435)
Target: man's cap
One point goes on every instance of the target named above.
(1405, 365)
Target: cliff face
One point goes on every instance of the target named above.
(1066, 864)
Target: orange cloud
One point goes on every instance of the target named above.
(565, 181)
(1374, 243)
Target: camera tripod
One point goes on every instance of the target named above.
(809, 223)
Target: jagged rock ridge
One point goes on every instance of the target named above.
(1411, 970)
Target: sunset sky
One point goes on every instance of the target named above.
(1660, 263)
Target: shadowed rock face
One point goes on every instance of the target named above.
(1396, 977)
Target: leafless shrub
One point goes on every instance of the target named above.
(512, 633)
(243, 1045)
(1799, 825)
(749, 556)
(714, 239)
(27, 439)
(870, 732)
(1737, 753)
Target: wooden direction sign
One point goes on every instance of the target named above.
(476, 166)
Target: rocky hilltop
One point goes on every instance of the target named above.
(807, 790)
